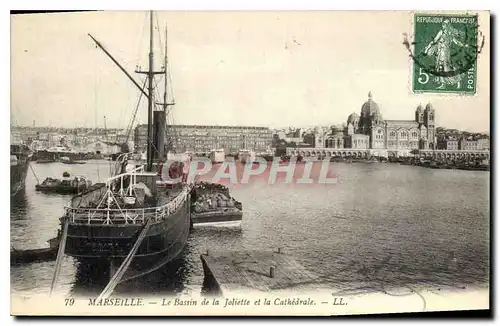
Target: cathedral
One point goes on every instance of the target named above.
(369, 130)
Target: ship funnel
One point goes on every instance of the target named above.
(159, 121)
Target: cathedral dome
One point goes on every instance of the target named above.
(353, 118)
(369, 108)
(429, 106)
(420, 108)
(377, 116)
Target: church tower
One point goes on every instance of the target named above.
(429, 122)
(419, 114)
(319, 138)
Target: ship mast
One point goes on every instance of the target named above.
(166, 73)
(150, 96)
(165, 104)
(150, 75)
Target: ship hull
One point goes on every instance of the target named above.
(18, 172)
(108, 245)
(49, 156)
(62, 190)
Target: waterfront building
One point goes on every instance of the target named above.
(396, 135)
(15, 137)
(369, 130)
(467, 144)
(450, 143)
(103, 147)
(483, 144)
(293, 136)
(203, 138)
(336, 140)
(357, 141)
(369, 134)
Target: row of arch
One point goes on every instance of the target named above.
(455, 154)
(323, 153)
(401, 133)
(362, 153)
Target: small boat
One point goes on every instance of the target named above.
(227, 215)
(217, 156)
(64, 186)
(268, 157)
(211, 202)
(35, 255)
(44, 160)
(246, 155)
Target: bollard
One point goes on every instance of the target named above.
(206, 254)
(271, 272)
(279, 250)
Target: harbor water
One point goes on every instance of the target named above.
(381, 226)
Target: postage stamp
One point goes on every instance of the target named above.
(445, 53)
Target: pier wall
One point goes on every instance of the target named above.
(454, 154)
(366, 153)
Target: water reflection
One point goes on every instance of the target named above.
(90, 279)
(19, 205)
(168, 280)
(231, 232)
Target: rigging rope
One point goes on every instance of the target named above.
(60, 255)
(37, 180)
(130, 126)
(95, 112)
(159, 36)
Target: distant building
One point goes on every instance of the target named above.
(293, 136)
(391, 135)
(15, 137)
(103, 147)
(203, 138)
(483, 144)
(467, 144)
(357, 141)
(335, 141)
(448, 143)
(368, 130)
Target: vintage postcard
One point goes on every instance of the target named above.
(304, 163)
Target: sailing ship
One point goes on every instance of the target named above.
(20, 156)
(138, 220)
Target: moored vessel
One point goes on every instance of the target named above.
(246, 155)
(212, 202)
(139, 218)
(20, 156)
(217, 156)
(71, 160)
(64, 186)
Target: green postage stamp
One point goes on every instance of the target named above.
(445, 53)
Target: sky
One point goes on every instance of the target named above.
(272, 69)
